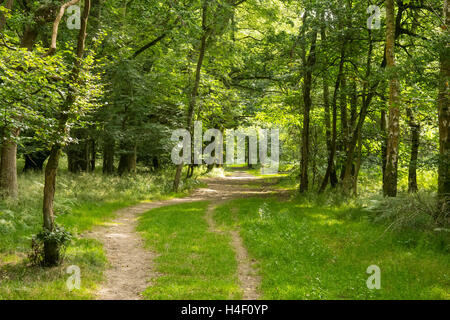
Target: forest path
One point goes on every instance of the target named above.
(132, 266)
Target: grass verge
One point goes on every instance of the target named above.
(194, 263)
(82, 202)
(310, 252)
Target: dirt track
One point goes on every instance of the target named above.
(132, 267)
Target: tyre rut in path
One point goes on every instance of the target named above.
(247, 275)
(132, 266)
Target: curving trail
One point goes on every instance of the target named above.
(132, 267)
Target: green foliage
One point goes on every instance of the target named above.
(58, 235)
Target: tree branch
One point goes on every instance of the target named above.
(58, 18)
(149, 45)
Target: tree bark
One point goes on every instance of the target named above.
(108, 155)
(415, 142)
(383, 130)
(393, 137)
(344, 124)
(330, 174)
(307, 102)
(367, 96)
(357, 166)
(127, 162)
(51, 249)
(444, 123)
(8, 167)
(194, 95)
(92, 152)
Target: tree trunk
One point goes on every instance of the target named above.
(8, 167)
(356, 136)
(444, 123)
(330, 174)
(51, 249)
(247, 155)
(127, 162)
(383, 130)
(369, 92)
(108, 155)
(415, 141)
(391, 174)
(156, 164)
(354, 107)
(307, 102)
(357, 166)
(8, 170)
(92, 155)
(194, 95)
(344, 125)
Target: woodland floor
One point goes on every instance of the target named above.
(239, 236)
(132, 267)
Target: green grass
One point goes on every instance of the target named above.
(194, 263)
(82, 202)
(307, 251)
(256, 171)
(19, 281)
(314, 247)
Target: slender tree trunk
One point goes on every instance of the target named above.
(307, 102)
(327, 115)
(247, 143)
(51, 249)
(354, 107)
(390, 180)
(156, 164)
(357, 166)
(327, 118)
(8, 167)
(444, 124)
(383, 130)
(367, 96)
(415, 142)
(194, 95)
(92, 155)
(344, 124)
(331, 172)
